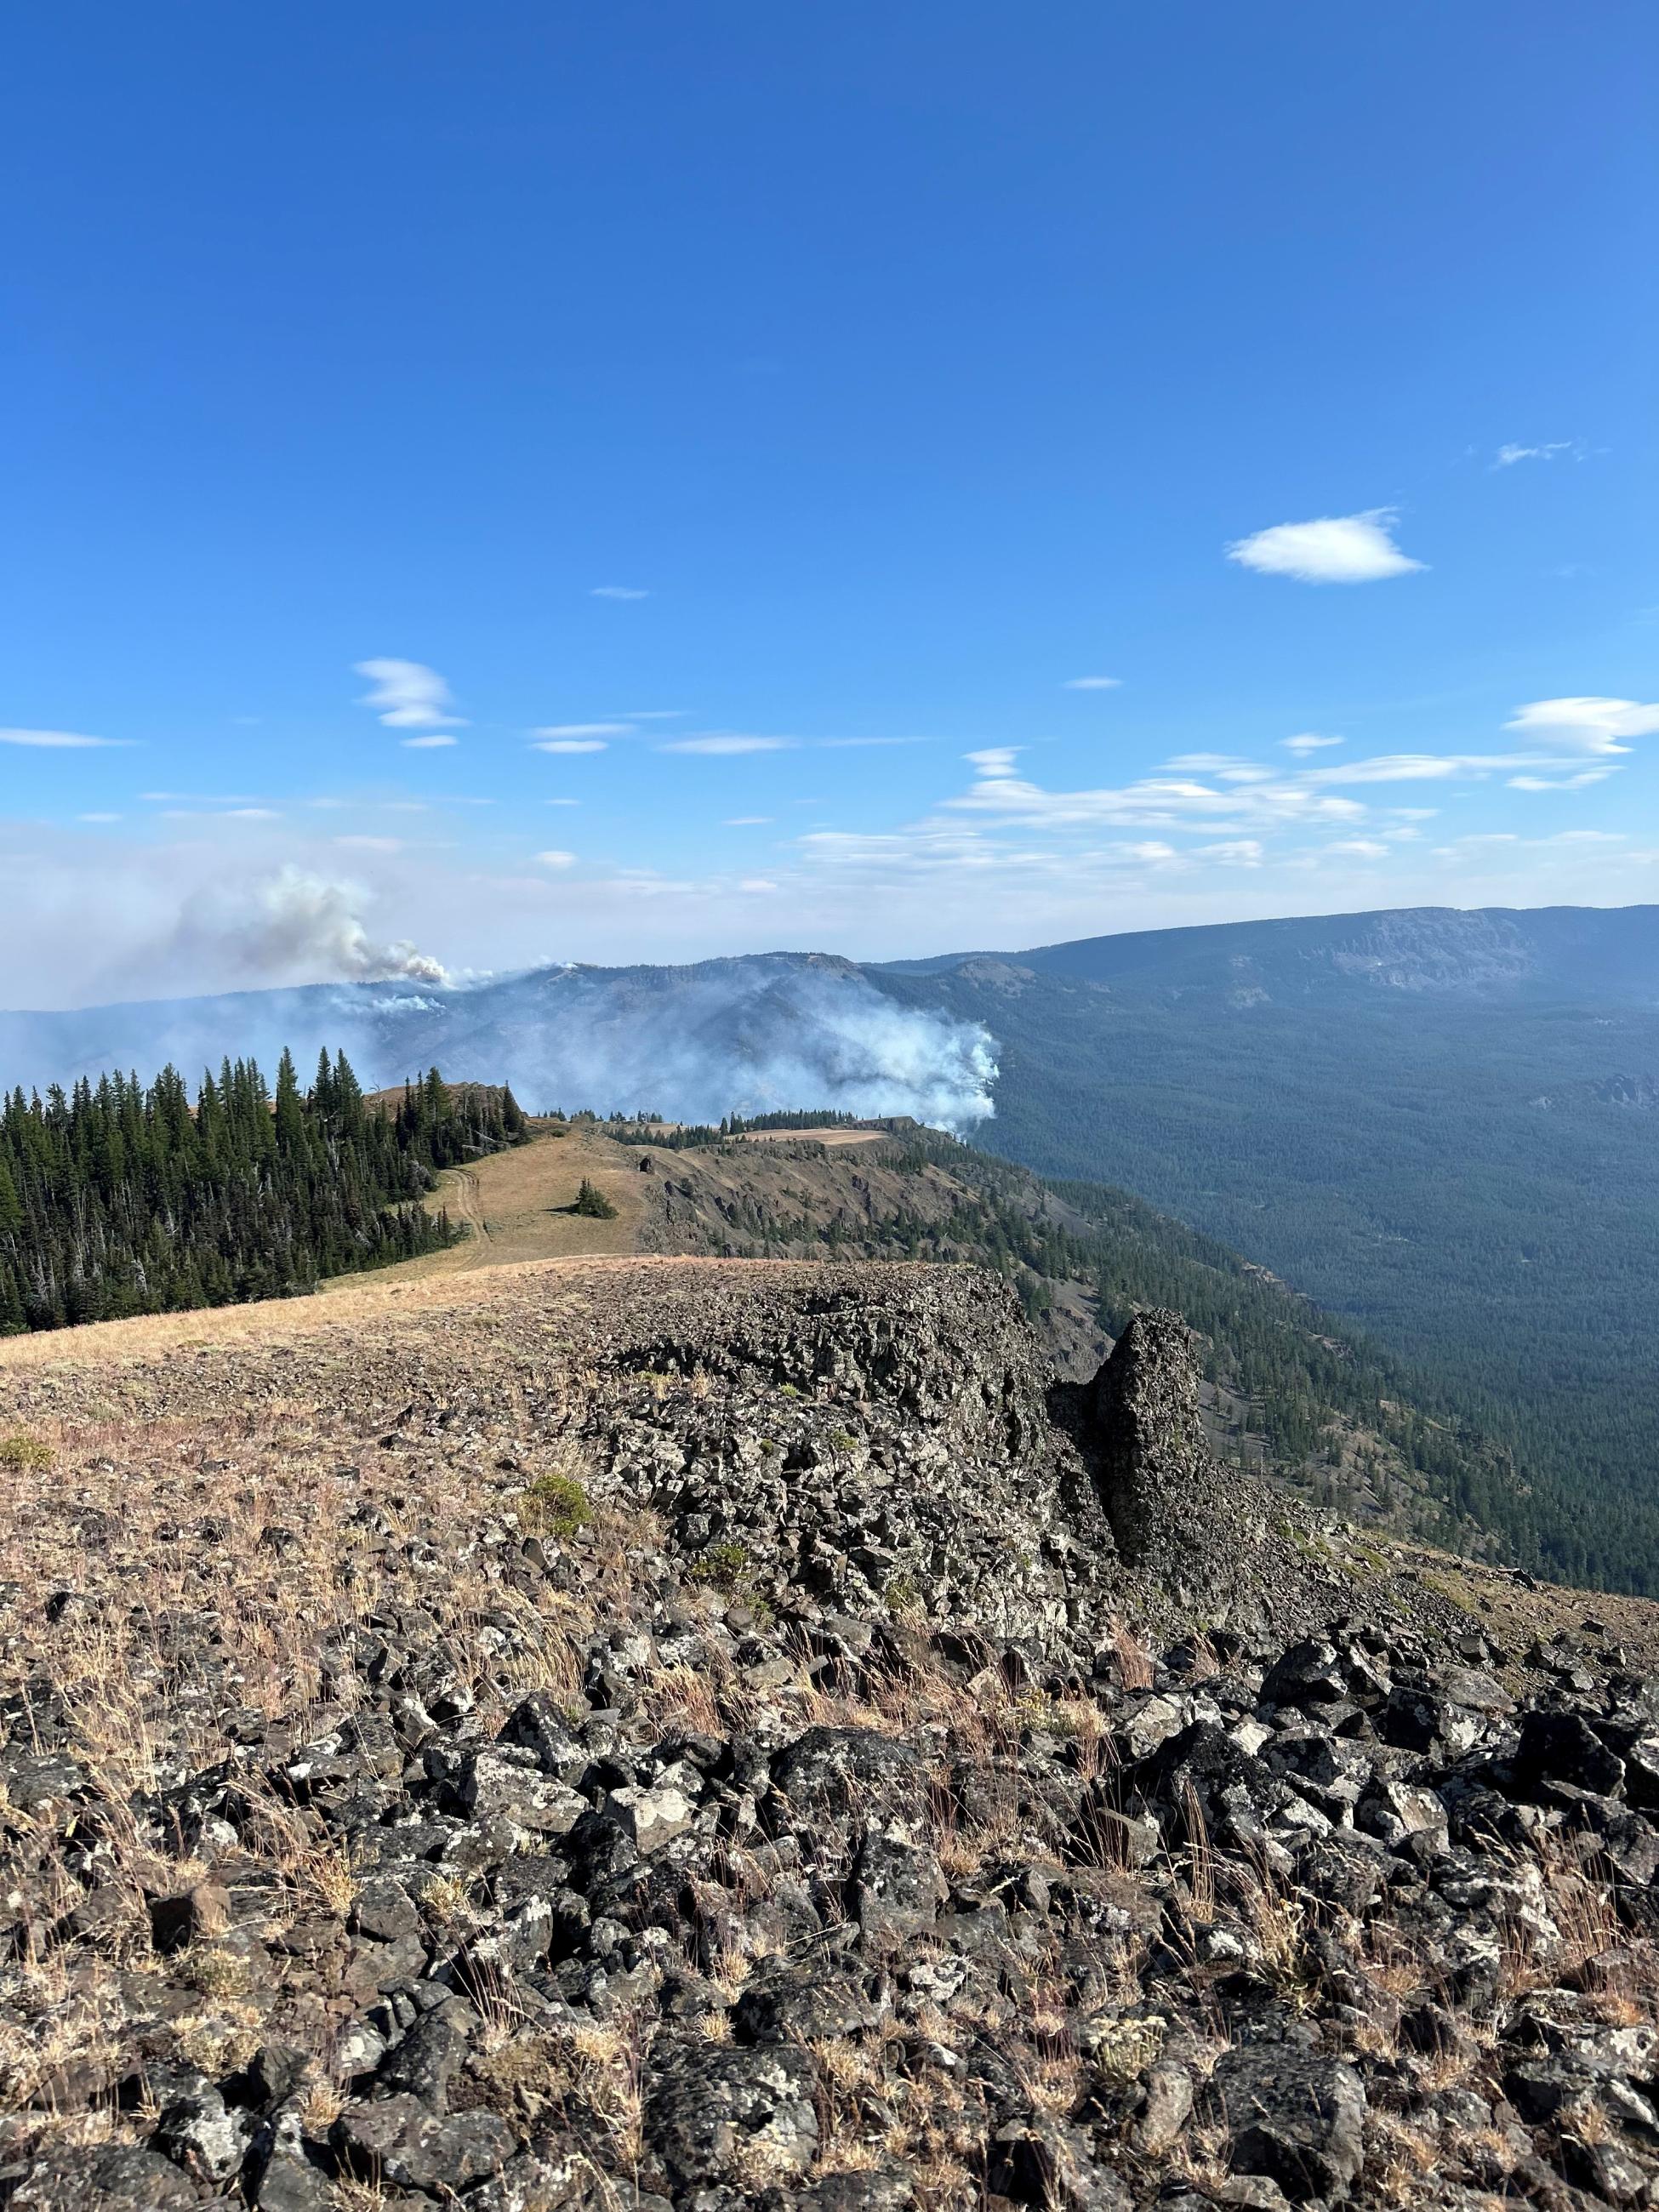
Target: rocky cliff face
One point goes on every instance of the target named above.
(695, 1737)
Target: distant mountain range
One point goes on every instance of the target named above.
(1422, 1117)
(1494, 953)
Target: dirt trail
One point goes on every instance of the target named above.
(464, 1192)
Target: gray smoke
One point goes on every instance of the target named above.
(294, 923)
(767, 1031)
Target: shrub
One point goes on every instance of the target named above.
(21, 1452)
(555, 1505)
(723, 1564)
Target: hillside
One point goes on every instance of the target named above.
(1285, 1389)
(1434, 1124)
(695, 1735)
(1431, 1123)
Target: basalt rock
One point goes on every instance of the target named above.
(907, 1784)
(1197, 1531)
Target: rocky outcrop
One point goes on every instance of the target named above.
(690, 1740)
(1208, 1538)
(1157, 1479)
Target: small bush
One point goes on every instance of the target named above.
(593, 1201)
(723, 1564)
(555, 1505)
(902, 1597)
(20, 1453)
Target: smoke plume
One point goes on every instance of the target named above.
(295, 924)
(764, 1031)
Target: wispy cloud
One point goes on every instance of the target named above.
(556, 859)
(1309, 741)
(198, 799)
(584, 730)
(1153, 802)
(370, 844)
(428, 745)
(406, 694)
(1507, 456)
(58, 741)
(1335, 548)
(995, 760)
(747, 821)
(221, 814)
(570, 745)
(618, 592)
(720, 743)
(1587, 724)
(1094, 684)
(1579, 781)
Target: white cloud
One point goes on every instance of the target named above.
(996, 760)
(719, 745)
(1234, 853)
(562, 802)
(556, 859)
(1362, 848)
(616, 591)
(197, 799)
(1581, 781)
(1509, 455)
(1336, 548)
(1586, 726)
(1309, 741)
(210, 812)
(747, 821)
(583, 730)
(428, 744)
(569, 746)
(755, 883)
(407, 694)
(370, 844)
(1094, 684)
(58, 741)
(1154, 802)
(1405, 768)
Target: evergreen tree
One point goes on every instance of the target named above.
(116, 1200)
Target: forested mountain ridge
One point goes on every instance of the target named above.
(1584, 954)
(1430, 1123)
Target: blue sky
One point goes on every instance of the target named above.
(874, 447)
